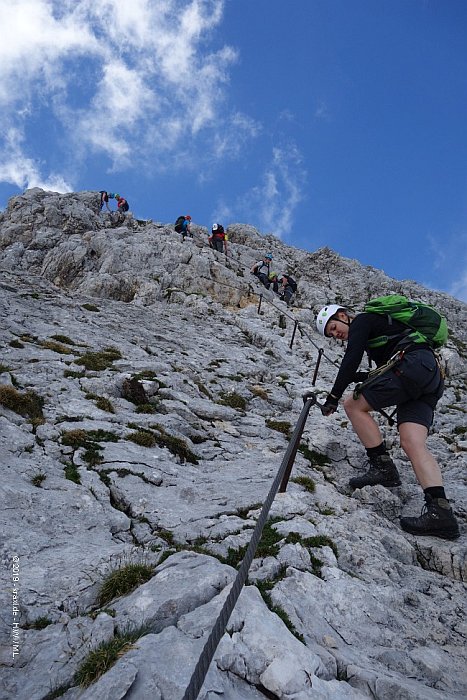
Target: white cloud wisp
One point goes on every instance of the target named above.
(282, 190)
(128, 82)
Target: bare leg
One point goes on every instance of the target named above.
(413, 442)
(364, 425)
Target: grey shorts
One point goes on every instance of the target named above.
(414, 386)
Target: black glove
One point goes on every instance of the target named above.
(360, 377)
(330, 405)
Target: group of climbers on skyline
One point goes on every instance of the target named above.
(122, 204)
(282, 284)
(217, 240)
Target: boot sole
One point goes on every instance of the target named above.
(442, 534)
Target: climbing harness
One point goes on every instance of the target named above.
(378, 372)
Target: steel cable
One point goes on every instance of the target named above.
(204, 661)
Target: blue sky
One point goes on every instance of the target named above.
(326, 122)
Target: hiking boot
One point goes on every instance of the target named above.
(436, 519)
(382, 471)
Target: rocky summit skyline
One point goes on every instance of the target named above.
(145, 409)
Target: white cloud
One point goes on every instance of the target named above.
(231, 141)
(33, 42)
(321, 111)
(125, 80)
(281, 191)
(459, 287)
(449, 257)
(222, 213)
(24, 172)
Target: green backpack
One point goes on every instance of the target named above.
(426, 324)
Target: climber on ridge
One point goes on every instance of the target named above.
(122, 204)
(105, 196)
(414, 384)
(261, 269)
(218, 238)
(274, 280)
(288, 287)
(183, 226)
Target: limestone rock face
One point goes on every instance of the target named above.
(145, 409)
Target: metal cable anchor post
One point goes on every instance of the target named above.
(309, 400)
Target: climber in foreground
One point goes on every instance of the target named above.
(409, 378)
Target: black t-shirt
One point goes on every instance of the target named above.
(363, 328)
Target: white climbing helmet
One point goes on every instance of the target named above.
(325, 315)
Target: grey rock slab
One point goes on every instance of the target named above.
(181, 584)
(380, 618)
(59, 540)
(14, 438)
(115, 684)
(164, 664)
(50, 657)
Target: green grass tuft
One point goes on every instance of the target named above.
(175, 445)
(28, 405)
(143, 438)
(234, 400)
(37, 479)
(123, 581)
(103, 657)
(305, 481)
(268, 544)
(101, 402)
(98, 361)
(39, 623)
(314, 457)
(57, 692)
(72, 473)
(63, 339)
(281, 426)
(234, 556)
(146, 408)
(55, 347)
(69, 373)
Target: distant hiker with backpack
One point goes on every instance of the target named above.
(105, 196)
(261, 270)
(288, 287)
(274, 280)
(218, 238)
(122, 204)
(399, 336)
(183, 226)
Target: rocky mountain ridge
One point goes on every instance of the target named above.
(145, 407)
